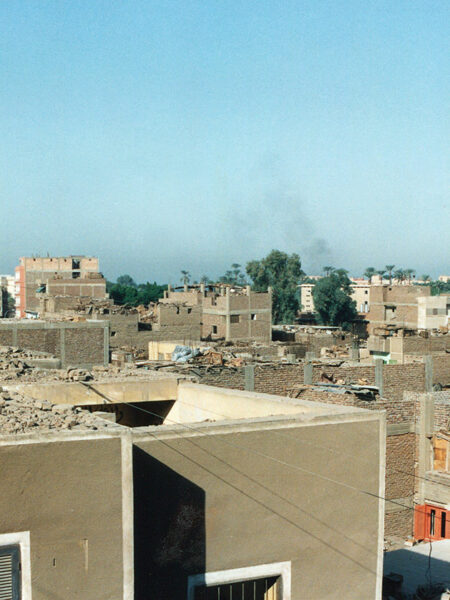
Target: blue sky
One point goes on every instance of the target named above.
(174, 135)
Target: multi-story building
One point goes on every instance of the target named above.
(396, 305)
(35, 272)
(229, 313)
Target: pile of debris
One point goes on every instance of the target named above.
(16, 363)
(335, 352)
(21, 414)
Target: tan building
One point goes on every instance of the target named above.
(360, 294)
(220, 490)
(306, 297)
(433, 312)
(35, 272)
(396, 305)
(228, 313)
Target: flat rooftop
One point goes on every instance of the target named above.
(170, 403)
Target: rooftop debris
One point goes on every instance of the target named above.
(21, 414)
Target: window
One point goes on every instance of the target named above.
(443, 522)
(267, 588)
(435, 311)
(10, 573)
(75, 275)
(261, 582)
(15, 571)
(75, 263)
(234, 318)
(432, 521)
(214, 328)
(253, 317)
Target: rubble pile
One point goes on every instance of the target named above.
(20, 414)
(15, 363)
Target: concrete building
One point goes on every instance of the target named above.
(219, 492)
(360, 294)
(433, 312)
(397, 345)
(396, 305)
(34, 272)
(228, 313)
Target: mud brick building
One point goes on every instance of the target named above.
(395, 305)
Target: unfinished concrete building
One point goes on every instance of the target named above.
(198, 493)
(35, 272)
(228, 313)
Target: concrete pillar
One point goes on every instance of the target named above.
(249, 378)
(202, 288)
(308, 372)
(106, 344)
(428, 360)
(185, 287)
(169, 288)
(354, 353)
(379, 374)
(228, 316)
(426, 426)
(247, 290)
(62, 346)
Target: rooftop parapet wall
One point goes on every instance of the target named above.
(76, 344)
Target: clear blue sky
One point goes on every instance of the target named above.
(174, 135)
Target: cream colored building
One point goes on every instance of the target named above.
(433, 312)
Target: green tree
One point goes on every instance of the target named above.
(282, 272)
(399, 275)
(234, 276)
(328, 270)
(332, 301)
(389, 269)
(126, 280)
(369, 273)
(426, 278)
(381, 273)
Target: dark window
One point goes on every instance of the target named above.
(189, 310)
(253, 317)
(443, 519)
(75, 263)
(267, 588)
(75, 275)
(10, 573)
(435, 311)
(234, 318)
(214, 328)
(432, 521)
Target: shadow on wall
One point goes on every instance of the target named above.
(418, 568)
(169, 529)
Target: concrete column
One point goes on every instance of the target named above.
(202, 288)
(428, 360)
(249, 377)
(106, 333)
(426, 426)
(62, 346)
(379, 374)
(169, 288)
(354, 353)
(185, 287)
(308, 372)
(247, 290)
(227, 316)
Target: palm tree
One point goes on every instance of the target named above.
(426, 278)
(369, 273)
(185, 277)
(409, 273)
(381, 273)
(389, 269)
(328, 270)
(204, 279)
(399, 275)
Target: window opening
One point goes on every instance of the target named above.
(75, 263)
(214, 328)
(9, 573)
(443, 523)
(432, 521)
(266, 588)
(234, 318)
